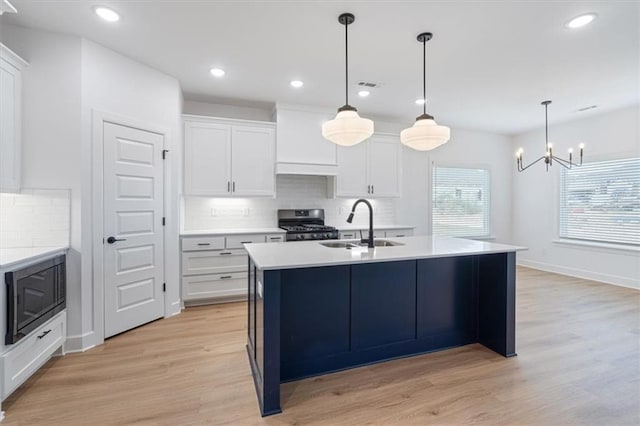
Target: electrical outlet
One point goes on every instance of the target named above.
(245, 212)
(340, 210)
(214, 213)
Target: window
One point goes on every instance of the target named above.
(601, 202)
(460, 202)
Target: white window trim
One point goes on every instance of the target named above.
(596, 244)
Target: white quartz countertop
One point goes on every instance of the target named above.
(348, 227)
(15, 256)
(306, 254)
(230, 231)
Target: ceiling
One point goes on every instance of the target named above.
(490, 63)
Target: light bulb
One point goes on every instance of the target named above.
(581, 146)
(570, 150)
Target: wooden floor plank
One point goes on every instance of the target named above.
(578, 362)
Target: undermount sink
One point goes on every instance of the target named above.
(353, 244)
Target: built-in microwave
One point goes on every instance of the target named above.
(34, 295)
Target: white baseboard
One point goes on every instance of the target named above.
(174, 309)
(79, 343)
(582, 273)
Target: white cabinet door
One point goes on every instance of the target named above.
(252, 161)
(10, 157)
(384, 166)
(352, 171)
(207, 159)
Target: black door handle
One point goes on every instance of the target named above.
(112, 240)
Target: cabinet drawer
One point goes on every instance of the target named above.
(275, 238)
(399, 233)
(26, 356)
(203, 243)
(211, 286)
(211, 262)
(238, 241)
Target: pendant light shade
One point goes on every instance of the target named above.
(348, 128)
(425, 134)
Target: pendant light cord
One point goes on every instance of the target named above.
(424, 76)
(346, 63)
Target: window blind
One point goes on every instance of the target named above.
(460, 202)
(600, 201)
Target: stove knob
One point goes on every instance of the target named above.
(327, 236)
(299, 237)
(314, 236)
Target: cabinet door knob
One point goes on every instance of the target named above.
(372, 191)
(228, 186)
(234, 187)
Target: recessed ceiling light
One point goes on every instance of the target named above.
(296, 83)
(364, 93)
(581, 21)
(419, 101)
(217, 72)
(107, 14)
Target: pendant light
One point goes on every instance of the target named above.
(425, 134)
(348, 128)
(548, 156)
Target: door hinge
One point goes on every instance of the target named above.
(164, 153)
(164, 221)
(164, 287)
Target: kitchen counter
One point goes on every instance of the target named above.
(306, 254)
(14, 256)
(350, 227)
(230, 231)
(314, 310)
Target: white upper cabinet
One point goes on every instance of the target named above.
(11, 66)
(301, 149)
(207, 159)
(370, 169)
(353, 173)
(252, 160)
(385, 155)
(224, 158)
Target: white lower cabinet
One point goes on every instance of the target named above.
(23, 358)
(377, 233)
(214, 268)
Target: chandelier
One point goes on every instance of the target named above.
(548, 157)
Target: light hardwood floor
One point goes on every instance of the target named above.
(579, 363)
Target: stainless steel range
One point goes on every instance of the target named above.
(306, 224)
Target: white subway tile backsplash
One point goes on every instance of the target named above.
(292, 191)
(35, 218)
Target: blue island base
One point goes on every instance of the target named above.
(311, 321)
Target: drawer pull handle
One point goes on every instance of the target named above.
(226, 277)
(400, 235)
(225, 253)
(204, 244)
(275, 238)
(44, 334)
(246, 242)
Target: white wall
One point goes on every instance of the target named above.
(51, 154)
(116, 85)
(536, 197)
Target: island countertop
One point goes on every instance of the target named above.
(306, 254)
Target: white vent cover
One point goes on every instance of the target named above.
(587, 108)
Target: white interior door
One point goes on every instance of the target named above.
(133, 231)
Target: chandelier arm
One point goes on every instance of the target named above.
(521, 169)
(563, 163)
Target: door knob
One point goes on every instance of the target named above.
(112, 240)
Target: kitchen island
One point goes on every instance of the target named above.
(322, 306)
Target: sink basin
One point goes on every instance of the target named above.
(354, 244)
(341, 244)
